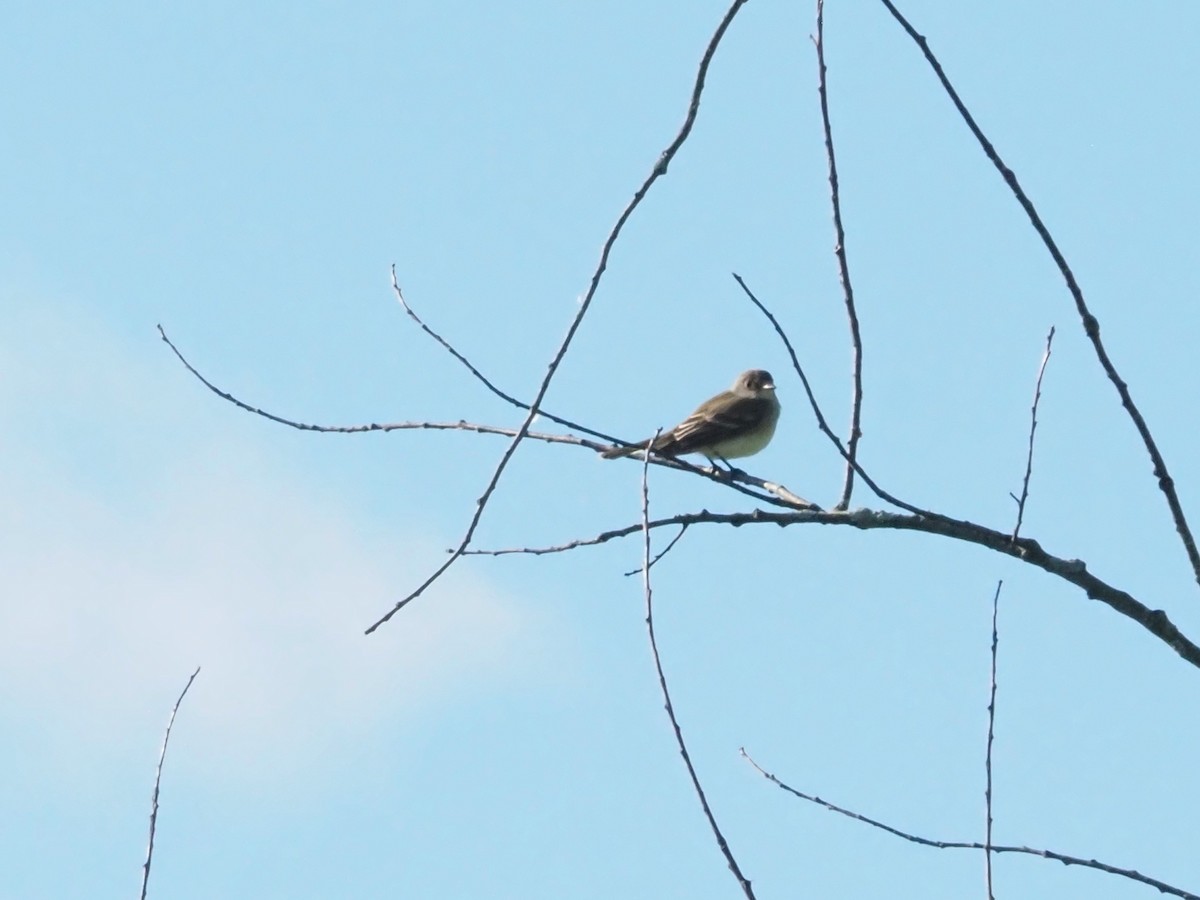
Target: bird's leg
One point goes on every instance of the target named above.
(729, 469)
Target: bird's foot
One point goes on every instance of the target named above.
(730, 472)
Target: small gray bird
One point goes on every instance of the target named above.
(735, 423)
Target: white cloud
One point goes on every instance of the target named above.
(213, 557)
(267, 589)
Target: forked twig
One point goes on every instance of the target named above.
(1091, 325)
(722, 844)
(1063, 858)
(158, 782)
(660, 169)
(1033, 423)
(657, 556)
(843, 266)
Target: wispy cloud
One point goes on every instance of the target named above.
(223, 559)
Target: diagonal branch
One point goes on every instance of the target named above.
(839, 250)
(1033, 423)
(1091, 325)
(660, 169)
(722, 844)
(1131, 874)
(787, 343)
(483, 379)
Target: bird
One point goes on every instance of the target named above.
(735, 423)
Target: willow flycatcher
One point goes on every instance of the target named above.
(735, 423)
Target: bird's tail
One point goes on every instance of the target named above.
(614, 452)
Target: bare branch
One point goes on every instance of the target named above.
(991, 732)
(660, 169)
(1091, 325)
(1029, 551)
(483, 379)
(973, 845)
(533, 409)
(158, 782)
(776, 494)
(722, 844)
(602, 538)
(787, 343)
(1026, 550)
(843, 266)
(1037, 397)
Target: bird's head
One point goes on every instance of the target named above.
(754, 381)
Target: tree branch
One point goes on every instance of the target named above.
(660, 169)
(1131, 874)
(722, 844)
(1037, 397)
(839, 250)
(775, 494)
(816, 408)
(1026, 550)
(1029, 551)
(1091, 325)
(483, 379)
(991, 733)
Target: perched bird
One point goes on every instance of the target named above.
(735, 423)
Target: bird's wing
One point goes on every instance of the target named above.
(724, 416)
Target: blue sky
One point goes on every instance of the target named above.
(245, 176)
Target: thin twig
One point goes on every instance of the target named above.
(1026, 550)
(820, 416)
(372, 426)
(722, 844)
(483, 379)
(799, 369)
(660, 169)
(776, 494)
(158, 782)
(1091, 325)
(675, 540)
(684, 520)
(1037, 396)
(991, 732)
(843, 266)
(973, 845)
